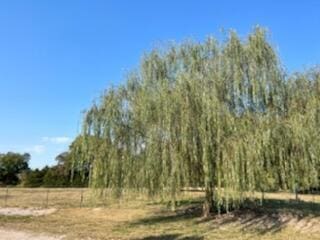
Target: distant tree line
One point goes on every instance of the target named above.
(15, 171)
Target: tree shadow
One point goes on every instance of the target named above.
(171, 237)
(273, 216)
(184, 213)
(298, 207)
(163, 217)
(180, 203)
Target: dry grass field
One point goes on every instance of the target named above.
(136, 217)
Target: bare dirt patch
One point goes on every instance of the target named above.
(19, 235)
(26, 211)
(268, 222)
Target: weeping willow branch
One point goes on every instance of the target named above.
(223, 116)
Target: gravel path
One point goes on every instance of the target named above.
(19, 235)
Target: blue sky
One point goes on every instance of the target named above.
(57, 56)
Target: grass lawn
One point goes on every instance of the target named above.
(279, 218)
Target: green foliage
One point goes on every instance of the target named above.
(34, 178)
(56, 177)
(223, 116)
(11, 166)
(60, 175)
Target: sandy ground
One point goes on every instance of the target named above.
(19, 235)
(26, 211)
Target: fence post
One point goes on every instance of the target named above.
(296, 192)
(81, 198)
(313, 198)
(47, 198)
(6, 197)
(262, 198)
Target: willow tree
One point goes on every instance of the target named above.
(223, 116)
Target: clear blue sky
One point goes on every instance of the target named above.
(56, 56)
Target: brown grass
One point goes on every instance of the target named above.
(279, 218)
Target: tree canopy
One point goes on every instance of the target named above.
(220, 115)
(62, 174)
(11, 165)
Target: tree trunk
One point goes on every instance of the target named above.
(208, 203)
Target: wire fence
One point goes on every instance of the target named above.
(45, 197)
(74, 197)
(84, 197)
